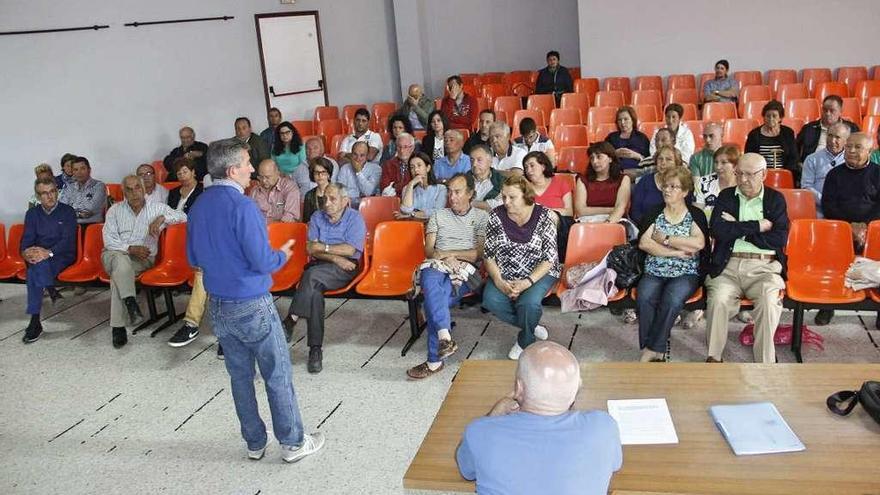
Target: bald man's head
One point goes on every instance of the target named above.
(415, 91)
(547, 378)
(268, 173)
(857, 150)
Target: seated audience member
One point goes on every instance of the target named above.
(631, 145)
(521, 260)
(459, 108)
(454, 161)
(433, 144)
(66, 175)
(531, 140)
(131, 236)
(395, 171)
(87, 196)
(397, 125)
(875, 155)
(416, 108)
(551, 191)
(554, 79)
(189, 148)
(454, 240)
(277, 195)
(675, 238)
(682, 136)
(703, 162)
(605, 190)
(41, 171)
(182, 197)
(663, 137)
(708, 186)
(153, 191)
(269, 133)
(852, 192)
(647, 195)
(750, 227)
(314, 149)
(360, 177)
(487, 180)
(336, 243)
(319, 173)
(486, 119)
(818, 164)
(813, 135)
(533, 441)
(774, 141)
(258, 150)
(288, 152)
(422, 195)
(48, 246)
(722, 88)
(507, 158)
(361, 134)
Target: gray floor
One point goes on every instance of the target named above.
(78, 416)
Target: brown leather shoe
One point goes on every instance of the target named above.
(710, 359)
(446, 348)
(423, 371)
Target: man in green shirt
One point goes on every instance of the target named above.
(703, 162)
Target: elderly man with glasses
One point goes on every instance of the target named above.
(750, 227)
(395, 171)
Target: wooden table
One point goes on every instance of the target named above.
(842, 456)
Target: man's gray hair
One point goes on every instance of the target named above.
(454, 133)
(138, 178)
(406, 135)
(223, 154)
(500, 125)
(340, 188)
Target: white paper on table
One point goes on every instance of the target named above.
(643, 421)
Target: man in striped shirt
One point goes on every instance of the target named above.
(131, 234)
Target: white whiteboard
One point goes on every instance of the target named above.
(291, 53)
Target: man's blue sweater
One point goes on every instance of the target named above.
(55, 231)
(227, 239)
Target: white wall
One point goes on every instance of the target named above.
(119, 95)
(436, 39)
(687, 36)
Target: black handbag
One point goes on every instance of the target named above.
(868, 396)
(628, 262)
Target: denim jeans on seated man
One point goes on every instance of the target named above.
(660, 300)
(250, 330)
(439, 297)
(524, 312)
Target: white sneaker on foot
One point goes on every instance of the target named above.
(541, 332)
(312, 442)
(515, 351)
(256, 455)
(745, 317)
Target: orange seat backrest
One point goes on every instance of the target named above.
(753, 109)
(803, 108)
(509, 105)
(303, 127)
(719, 111)
(800, 204)
(831, 88)
(335, 144)
(13, 245)
(589, 242)
(851, 110)
(602, 131)
(696, 127)
(736, 131)
(329, 128)
(794, 123)
(114, 192)
(325, 113)
(851, 75)
(564, 116)
(279, 233)
(398, 249)
(375, 210)
(573, 159)
(618, 84)
(682, 95)
(601, 115)
(677, 81)
(646, 113)
(820, 246)
(542, 103)
(778, 77)
(791, 91)
(779, 178)
(813, 76)
(519, 115)
(613, 98)
(648, 97)
(578, 101)
(571, 135)
(747, 78)
(650, 82)
(2, 241)
(752, 93)
(589, 86)
(649, 128)
(864, 92)
(160, 170)
(872, 242)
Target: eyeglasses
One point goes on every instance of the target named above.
(749, 175)
(671, 187)
(145, 174)
(321, 172)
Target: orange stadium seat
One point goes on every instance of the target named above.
(683, 95)
(852, 75)
(571, 135)
(851, 111)
(509, 105)
(11, 263)
(618, 84)
(590, 242)
(601, 115)
(796, 124)
(747, 78)
(831, 88)
(778, 77)
(803, 108)
(690, 112)
(375, 210)
(589, 85)
(542, 103)
(335, 144)
(398, 249)
(873, 106)
(572, 159)
(679, 81)
(578, 101)
(753, 109)
(325, 113)
(649, 128)
(792, 91)
(564, 116)
(751, 93)
(649, 82)
(519, 115)
(864, 92)
(736, 131)
(648, 97)
(303, 127)
(799, 203)
(88, 266)
(114, 192)
(719, 111)
(380, 113)
(779, 178)
(612, 98)
(646, 113)
(602, 131)
(492, 91)
(329, 128)
(870, 124)
(813, 77)
(289, 275)
(696, 127)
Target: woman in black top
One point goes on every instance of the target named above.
(320, 169)
(432, 145)
(184, 196)
(774, 141)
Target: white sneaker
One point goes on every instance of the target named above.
(515, 351)
(745, 317)
(256, 455)
(541, 332)
(312, 442)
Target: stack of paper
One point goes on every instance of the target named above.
(643, 421)
(755, 428)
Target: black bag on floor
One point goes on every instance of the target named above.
(628, 261)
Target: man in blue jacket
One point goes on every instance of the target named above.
(227, 239)
(48, 245)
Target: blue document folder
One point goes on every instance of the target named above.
(755, 428)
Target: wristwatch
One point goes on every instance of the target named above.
(666, 241)
(51, 254)
(326, 247)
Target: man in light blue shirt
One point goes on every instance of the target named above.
(532, 442)
(818, 164)
(360, 177)
(454, 162)
(723, 87)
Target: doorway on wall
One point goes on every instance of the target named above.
(292, 61)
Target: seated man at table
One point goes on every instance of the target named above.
(750, 227)
(48, 245)
(336, 243)
(454, 240)
(532, 442)
(131, 238)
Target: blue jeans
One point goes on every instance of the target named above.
(250, 330)
(659, 301)
(524, 312)
(439, 297)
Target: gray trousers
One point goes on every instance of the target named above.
(308, 302)
(122, 268)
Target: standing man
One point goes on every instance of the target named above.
(48, 246)
(750, 228)
(336, 243)
(154, 192)
(257, 149)
(87, 196)
(703, 162)
(554, 79)
(268, 134)
(416, 107)
(189, 148)
(227, 240)
(723, 87)
(459, 108)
